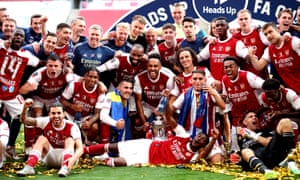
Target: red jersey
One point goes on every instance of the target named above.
(13, 64)
(187, 80)
(172, 151)
(127, 70)
(168, 54)
(57, 137)
(218, 51)
(48, 88)
(241, 95)
(287, 64)
(79, 95)
(152, 90)
(281, 106)
(250, 40)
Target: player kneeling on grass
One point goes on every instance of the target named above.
(179, 149)
(56, 145)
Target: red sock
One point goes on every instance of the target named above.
(94, 149)
(32, 160)
(66, 157)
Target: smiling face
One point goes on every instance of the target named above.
(136, 28)
(231, 69)
(91, 78)
(136, 55)
(94, 37)
(49, 44)
(78, 27)
(8, 28)
(63, 36)
(169, 35)
(153, 68)
(125, 89)
(178, 13)
(36, 25)
(185, 59)
(284, 21)
(57, 115)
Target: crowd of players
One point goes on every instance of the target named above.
(232, 94)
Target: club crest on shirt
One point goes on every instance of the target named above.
(4, 88)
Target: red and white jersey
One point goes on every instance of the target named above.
(175, 150)
(49, 88)
(219, 50)
(55, 136)
(254, 38)
(151, 90)
(242, 93)
(286, 60)
(78, 94)
(61, 51)
(12, 66)
(4, 129)
(187, 79)
(168, 54)
(288, 102)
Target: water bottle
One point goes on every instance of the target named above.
(162, 104)
(77, 118)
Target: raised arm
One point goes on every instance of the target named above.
(24, 118)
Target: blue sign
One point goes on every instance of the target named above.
(158, 12)
(210, 9)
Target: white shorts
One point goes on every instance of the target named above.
(54, 158)
(135, 151)
(39, 102)
(14, 106)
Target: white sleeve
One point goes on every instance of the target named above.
(105, 111)
(204, 54)
(210, 79)
(241, 50)
(100, 100)
(41, 122)
(178, 102)
(180, 131)
(69, 91)
(109, 65)
(36, 76)
(70, 77)
(254, 80)
(263, 38)
(293, 98)
(137, 86)
(32, 60)
(266, 55)
(75, 131)
(224, 92)
(296, 45)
